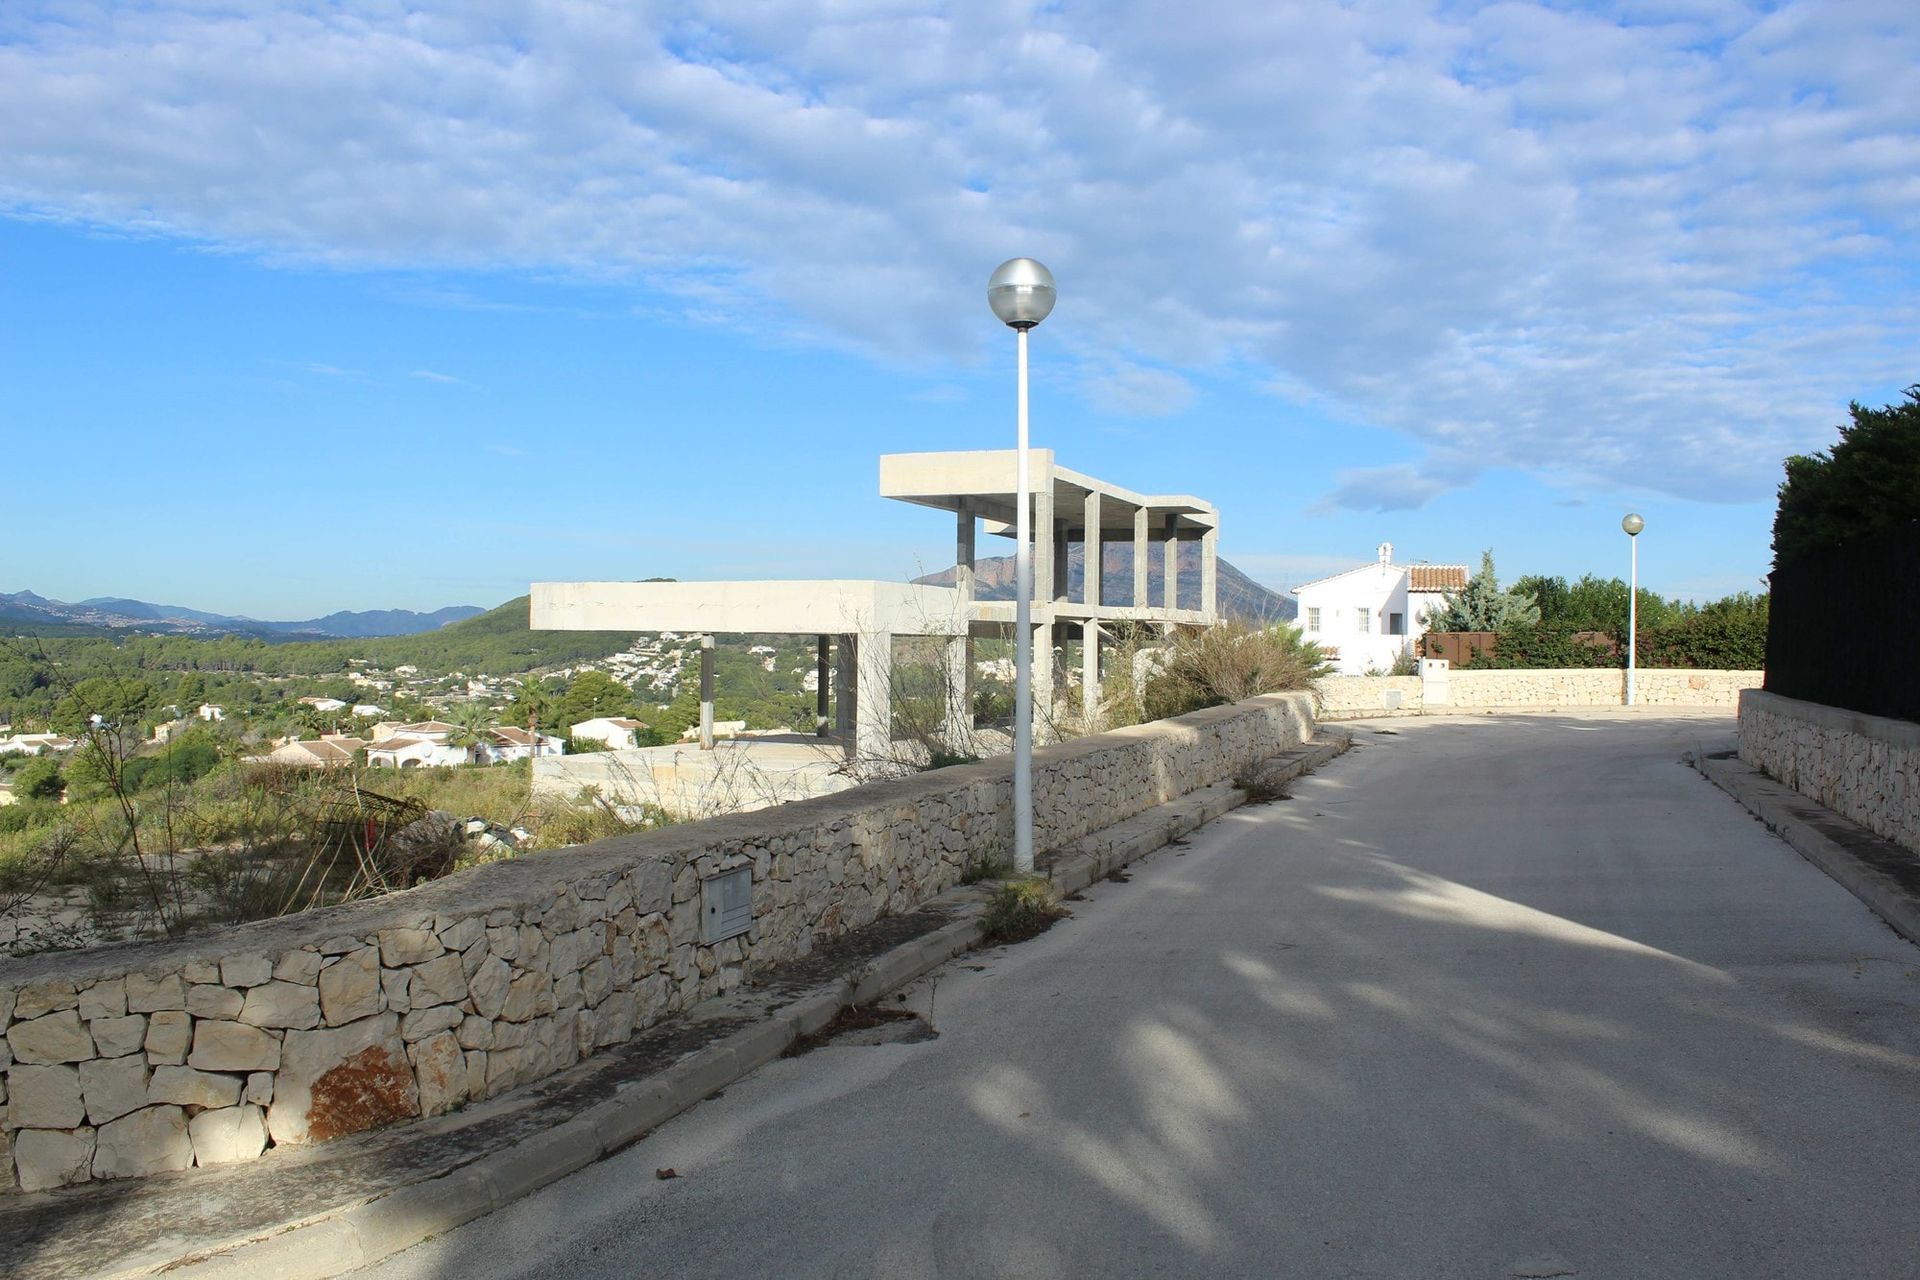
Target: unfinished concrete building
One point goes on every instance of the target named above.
(856, 622)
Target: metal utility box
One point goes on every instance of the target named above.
(726, 905)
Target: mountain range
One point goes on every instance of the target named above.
(1240, 597)
(112, 612)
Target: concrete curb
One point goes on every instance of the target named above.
(365, 1233)
(1851, 854)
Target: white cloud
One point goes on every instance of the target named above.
(1663, 243)
(1136, 391)
(428, 375)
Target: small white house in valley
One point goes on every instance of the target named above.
(1370, 616)
(616, 731)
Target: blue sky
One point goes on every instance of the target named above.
(370, 305)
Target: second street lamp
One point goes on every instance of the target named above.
(1021, 293)
(1632, 525)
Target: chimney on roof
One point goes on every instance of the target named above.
(1386, 553)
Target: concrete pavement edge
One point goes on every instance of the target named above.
(1846, 851)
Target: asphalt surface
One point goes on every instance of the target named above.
(1487, 997)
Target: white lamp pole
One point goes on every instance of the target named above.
(1633, 524)
(1021, 293)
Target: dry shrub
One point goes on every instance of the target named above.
(1224, 664)
(1020, 909)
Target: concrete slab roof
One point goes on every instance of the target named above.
(785, 607)
(986, 479)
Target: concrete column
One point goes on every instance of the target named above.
(963, 550)
(958, 729)
(1092, 559)
(846, 695)
(1043, 585)
(1043, 666)
(1210, 572)
(1170, 585)
(822, 683)
(1060, 558)
(873, 716)
(706, 693)
(1090, 675)
(1140, 546)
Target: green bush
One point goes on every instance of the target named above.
(38, 779)
(1224, 664)
(1868, 483)
(1543, 646)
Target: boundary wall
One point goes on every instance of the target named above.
(1443, 691)
(126, 1061)
(1865, 768)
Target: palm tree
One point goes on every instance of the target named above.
(475, 730)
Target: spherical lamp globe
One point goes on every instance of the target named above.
(1633, 524)
(1021, 292)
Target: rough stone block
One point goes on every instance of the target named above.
(187, 1087)
(169, 1035)
(504, 941)
(260, 1088)
(246, 971)
(106, 999)
(489, 986)
(44, 1098)
(441, 1070)
(461, 934)
(118, 1037)
(350, 988)
(408, 946)
(233, 1046)
(341, 946)
(150, 1141)
(213, 1001)
(152, 995)
(302, 967)
(422, 1023)
(529, 996)
(48, 1158)
(227, 1136)
(394, 985)
(37, 999)
(200, 971)
(282, 1004)
(341, 1080)
(52, 1037)
(475, 1033)
(438, 981)
(113, 1087)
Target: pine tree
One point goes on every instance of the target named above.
(1482, 606)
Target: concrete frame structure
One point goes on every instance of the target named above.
(856, 621)
(978, 487)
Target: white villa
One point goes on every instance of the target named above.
(1368, 617)
(429, 747)
(616, 731)
(33, 744)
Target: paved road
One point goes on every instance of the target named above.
(1486, 998)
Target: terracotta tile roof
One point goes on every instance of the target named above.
(1436, 577)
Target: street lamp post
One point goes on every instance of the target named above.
(1021, 293)
(1633, 524)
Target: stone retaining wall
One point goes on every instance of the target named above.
(1866, 768)
(125, 1061)
(1346, 697)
